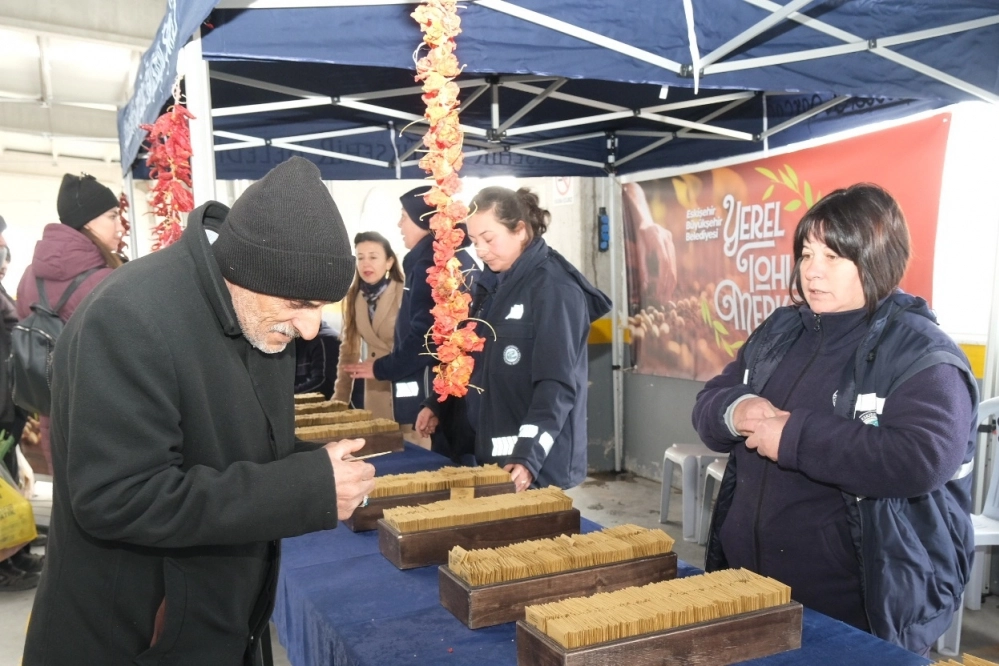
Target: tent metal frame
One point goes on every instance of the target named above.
(715, 62)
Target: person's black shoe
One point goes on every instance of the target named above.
(27, 562)
(15, 580)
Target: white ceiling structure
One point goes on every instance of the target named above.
(65, 68)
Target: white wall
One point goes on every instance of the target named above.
(968, 226)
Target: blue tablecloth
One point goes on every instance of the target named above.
(340, 602)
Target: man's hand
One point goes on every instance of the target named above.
(749, 413)
(520, 475)
(354, 478)
(426, 422)
(766, 435)
(362, 370)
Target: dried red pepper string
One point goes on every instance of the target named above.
(169, 164)
(454, 336)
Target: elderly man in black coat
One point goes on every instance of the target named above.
(177, 470)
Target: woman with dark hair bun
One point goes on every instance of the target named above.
(531, 415)
(850, 419)
(369, 313)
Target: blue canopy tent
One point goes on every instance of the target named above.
(560, 88)
(581, 88)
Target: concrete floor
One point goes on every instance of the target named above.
(609, 499)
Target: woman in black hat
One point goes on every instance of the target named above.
(85, 240)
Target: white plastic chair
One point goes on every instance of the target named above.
(986, 526)
(693, 460)
(713, 477)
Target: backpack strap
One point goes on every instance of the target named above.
(43, 299)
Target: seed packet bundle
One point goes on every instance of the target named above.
(441, 479)
(669, 604)
(451, 513)
(327, 418)
(969, 660)
(335, 431)
(322, 406)
(541, 557)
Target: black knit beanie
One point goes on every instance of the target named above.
(284, 237)
(417, 209)
(82, 199)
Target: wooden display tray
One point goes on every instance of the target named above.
(724, 641)
(487, 605)
(420, 549)
(377, 442)
(366, 518)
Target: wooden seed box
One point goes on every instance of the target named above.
(420, 549)
(378, 442)
(366, 518)
(488, 605)
(724, 641)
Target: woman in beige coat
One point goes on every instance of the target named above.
(369, 314)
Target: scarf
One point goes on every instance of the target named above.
(372, 292)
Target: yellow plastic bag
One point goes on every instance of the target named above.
(17, 521)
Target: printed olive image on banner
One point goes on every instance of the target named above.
(710, 254)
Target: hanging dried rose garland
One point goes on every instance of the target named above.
(454, 336)
(125, 224)
(169, 164)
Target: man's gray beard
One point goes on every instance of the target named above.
(260, 343)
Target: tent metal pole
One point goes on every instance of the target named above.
(574, 122)
(686, 133)
(700, 101)
(990, 389)
(524, 110)
(680, 122)
(331, 134)
(133, 247)
(494, 108)
(476, 94)
(239, 145)
(844, 36)
(610, 188)
(565, 97)
(199, 102)
(641, 151)
(580, 33)
(814, 111)
(329, 153)
(930, 33)
(262, 85)
(561, 139)
(270, 106)
(784, 58)
(395, 150)
(751, 32)
(351, 103)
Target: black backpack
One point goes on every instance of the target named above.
(31, 345)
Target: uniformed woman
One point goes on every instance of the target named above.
(530, 416)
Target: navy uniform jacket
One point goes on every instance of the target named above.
(894, 446)
(410, 365)
(534, 372)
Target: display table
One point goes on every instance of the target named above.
(340, 602)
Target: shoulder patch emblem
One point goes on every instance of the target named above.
(511, 355)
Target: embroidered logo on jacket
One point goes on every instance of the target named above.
(868, 407)
(511, 355)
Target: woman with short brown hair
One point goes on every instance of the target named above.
(850, 420)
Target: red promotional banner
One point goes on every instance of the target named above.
(709, 254)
